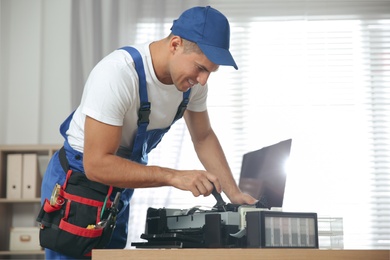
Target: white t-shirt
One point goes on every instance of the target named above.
(111, 96)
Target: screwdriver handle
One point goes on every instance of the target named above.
(218, 197)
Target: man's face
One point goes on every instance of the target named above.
(188, 69)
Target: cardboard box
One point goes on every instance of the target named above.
(24, 239)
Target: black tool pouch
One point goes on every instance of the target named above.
(72, 220)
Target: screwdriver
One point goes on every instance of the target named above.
(220, 206)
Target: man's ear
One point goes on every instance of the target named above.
(175, 42)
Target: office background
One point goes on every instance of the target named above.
(314, 71)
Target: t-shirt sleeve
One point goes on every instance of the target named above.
(109, 92)
(198, 99)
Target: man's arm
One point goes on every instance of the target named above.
(212, 157)
(101, 164)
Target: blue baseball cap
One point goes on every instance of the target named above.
(208, 28)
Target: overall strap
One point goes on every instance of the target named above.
(183, 106)
(144, 110)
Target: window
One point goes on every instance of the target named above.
(323, 83)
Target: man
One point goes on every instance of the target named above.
(103, 137)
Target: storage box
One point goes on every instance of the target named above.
(24, 239)
(330, 232)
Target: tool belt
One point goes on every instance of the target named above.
(79, 217)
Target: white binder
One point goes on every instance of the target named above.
(14, 176)
(30, 176)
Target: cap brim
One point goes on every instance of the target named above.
(217, 55)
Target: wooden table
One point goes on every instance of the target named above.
(242, 254)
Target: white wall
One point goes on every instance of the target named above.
(35, 70)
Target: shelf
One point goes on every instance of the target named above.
(20, 211)
(5, 200)
(27, 252)
(30, 147)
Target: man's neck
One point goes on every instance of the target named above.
(159, 52)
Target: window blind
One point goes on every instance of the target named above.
(377, 83)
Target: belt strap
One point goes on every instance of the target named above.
(63, 160)
(95, 185)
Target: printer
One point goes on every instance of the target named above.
(226, 225)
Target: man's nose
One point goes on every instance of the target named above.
(202, 78)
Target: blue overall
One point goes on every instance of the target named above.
(144, 142)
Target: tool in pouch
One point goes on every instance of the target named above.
(80, 216)
(55, 199)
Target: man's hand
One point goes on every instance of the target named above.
(196, 181)
(243, 198)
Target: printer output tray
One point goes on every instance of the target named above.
(170, 240)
